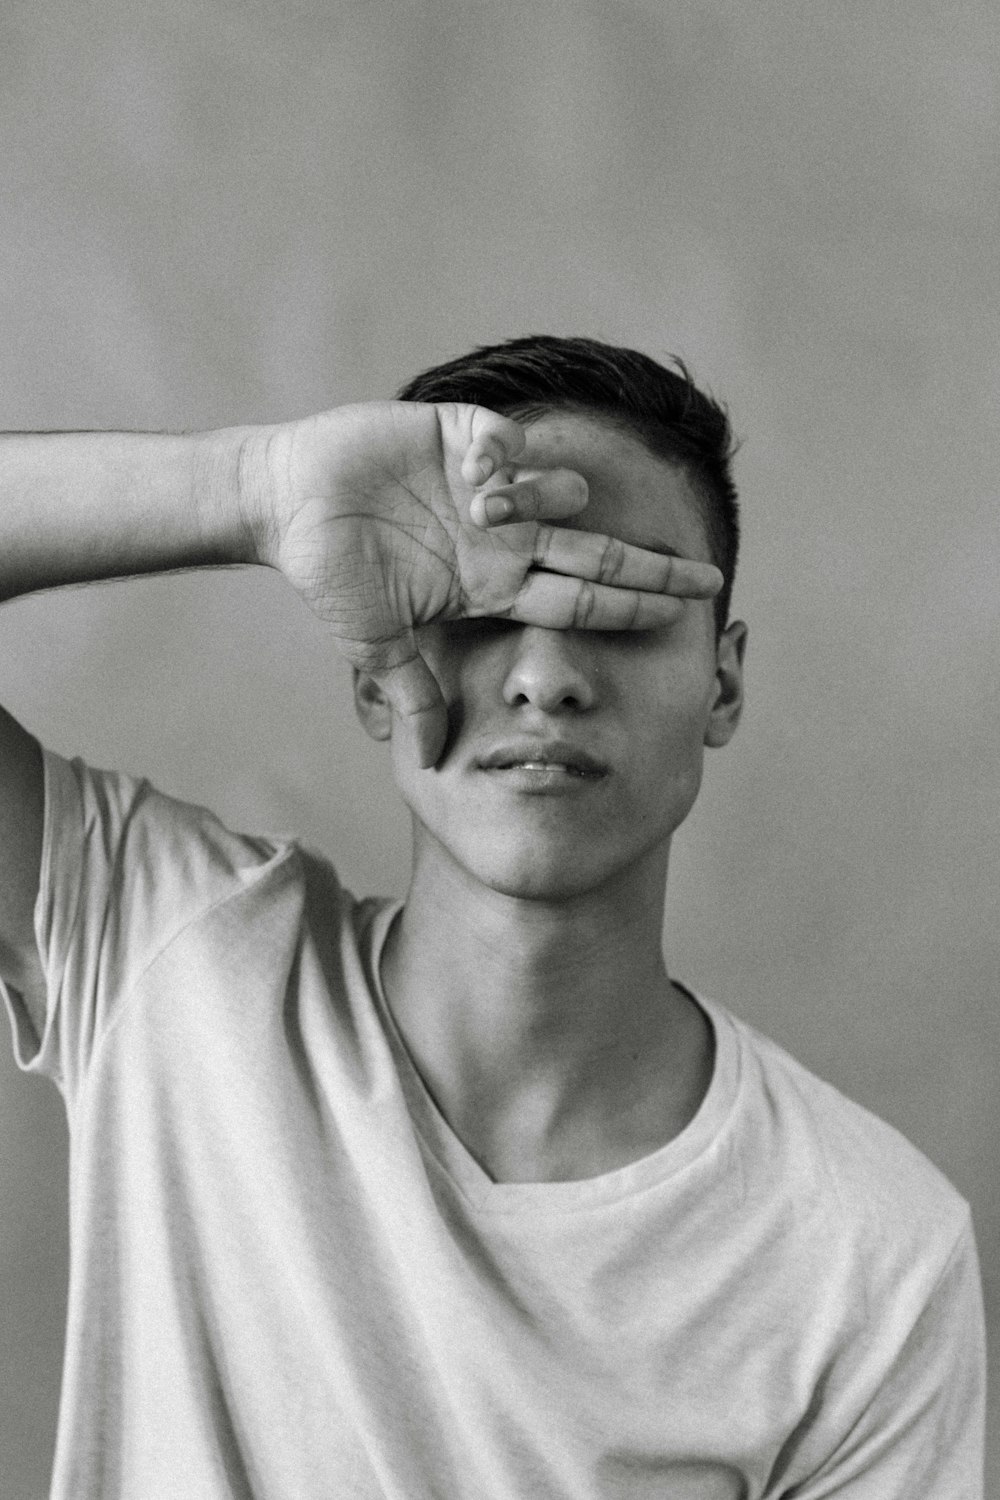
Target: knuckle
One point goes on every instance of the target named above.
(612, 560)
(543, 543)
(533, 503)
(584, 605)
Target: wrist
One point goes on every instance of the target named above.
(234, 484)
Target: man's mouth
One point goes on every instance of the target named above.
(544, 760)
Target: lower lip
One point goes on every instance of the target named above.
(545, 779)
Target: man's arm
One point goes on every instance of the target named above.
(76, 507)
(384, 517)
(79, 506)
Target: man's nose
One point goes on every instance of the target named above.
(549, 671)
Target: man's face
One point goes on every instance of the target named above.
(573, 755)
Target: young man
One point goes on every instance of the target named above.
(466, 1198)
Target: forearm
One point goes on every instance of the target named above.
(76, 507)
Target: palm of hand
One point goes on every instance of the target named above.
(387, 545)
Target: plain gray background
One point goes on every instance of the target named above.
(234, 211)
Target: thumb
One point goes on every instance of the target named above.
(421, 711)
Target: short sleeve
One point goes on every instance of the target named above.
(124, 869)
(922, 1432)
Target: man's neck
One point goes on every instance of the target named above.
(548, 1034)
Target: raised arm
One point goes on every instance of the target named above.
(75, 507)
(384, 517)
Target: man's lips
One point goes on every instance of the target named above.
(542, 756)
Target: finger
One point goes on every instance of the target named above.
(561, 603)
(495, 441)
(609, 560)
(549, 495)
(421, 712)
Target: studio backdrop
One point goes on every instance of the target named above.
(238, 210)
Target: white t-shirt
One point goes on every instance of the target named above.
(290, 1281)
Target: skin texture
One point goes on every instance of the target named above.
(643, 703)
(392, 516)
(527, 974)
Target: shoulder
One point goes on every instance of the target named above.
(854, 1224)
(127, 868)
(140, 852)
(107, 809)
(852, 1176)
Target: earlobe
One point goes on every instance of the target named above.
(372, 707)
(727, 708)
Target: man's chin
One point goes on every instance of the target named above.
(542, 864)
(540, 892)
(541, 882)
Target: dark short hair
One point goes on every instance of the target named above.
(530, 377)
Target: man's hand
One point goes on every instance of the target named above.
(388, 516)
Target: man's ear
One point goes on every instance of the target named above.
(727, 707)
(372, 706)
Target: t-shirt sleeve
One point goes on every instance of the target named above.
(922, 1431)
(124, 869)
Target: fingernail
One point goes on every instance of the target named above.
(498, 507)
(484, 468)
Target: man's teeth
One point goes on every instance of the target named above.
(545, 765)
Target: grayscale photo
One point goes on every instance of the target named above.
(498, 791)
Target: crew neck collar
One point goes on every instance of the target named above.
(460, 1167)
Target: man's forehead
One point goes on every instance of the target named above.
(634, 494)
